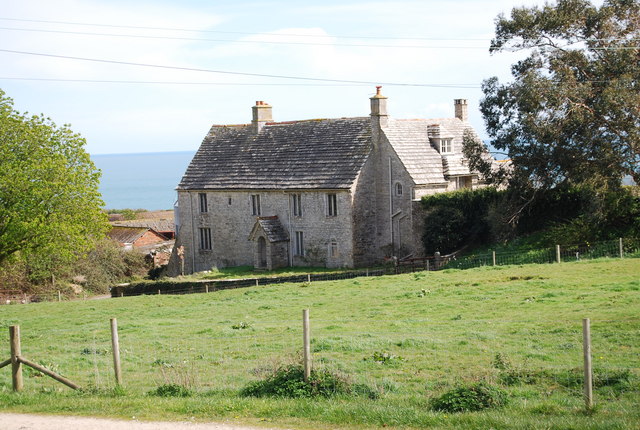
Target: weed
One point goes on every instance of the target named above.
(289, 381)
(384, 358)
(470, 398)
(171, 390)
(241, 326)
(33, 373)
(94, 351)
(162, 363)
(511, 374)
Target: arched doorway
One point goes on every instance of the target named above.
(262, 252)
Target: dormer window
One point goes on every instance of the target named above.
(446, 146)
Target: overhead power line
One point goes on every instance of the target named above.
(246, 33)
(85, 24)
(226, 72)
(270, 42)
(110, 81)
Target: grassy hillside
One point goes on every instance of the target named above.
(409, 337)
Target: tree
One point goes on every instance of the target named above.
(50, 207)
(572, 113)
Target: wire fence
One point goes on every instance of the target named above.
(619, 248)
(408, 355)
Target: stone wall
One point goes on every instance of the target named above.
(383, 217)
(230, 219)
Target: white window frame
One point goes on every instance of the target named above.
(446, 146)
(205, 239)
(256, 210)
(296, 204)
(332, 204)
(298, 248)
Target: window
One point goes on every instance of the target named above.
(333, 248)
(205, 239)
(299, 244)
(446, 146)
(255, 205)
(203, 202)
(398, 189)
(332, 204)
(296, 204)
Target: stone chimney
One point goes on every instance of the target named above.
(461, 109)
(379, 109)
(261, 115)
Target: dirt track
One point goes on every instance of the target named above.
(49, 422)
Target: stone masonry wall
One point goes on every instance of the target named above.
(230, 219)
(383, 218)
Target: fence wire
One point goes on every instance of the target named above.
(410, 354)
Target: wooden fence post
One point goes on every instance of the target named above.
(309, 277)
(16, 364)
(307, 344)
(59, 296)
(558, 258)
(115, 346)
(49, 373)
(621, 248)
(586, 348)
(493, 257)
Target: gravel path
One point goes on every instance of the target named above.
(47, 422)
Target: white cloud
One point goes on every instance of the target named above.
(137, 118)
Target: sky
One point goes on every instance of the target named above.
(153, 76)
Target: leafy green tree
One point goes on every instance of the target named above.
(50, 207)
(571, 115)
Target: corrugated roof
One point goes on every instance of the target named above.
(312, 154)
(127, 234)
(152, 223)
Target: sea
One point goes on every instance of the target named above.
(141, 181)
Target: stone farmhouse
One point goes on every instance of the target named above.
(324, 192)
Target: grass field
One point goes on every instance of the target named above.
(409, 337)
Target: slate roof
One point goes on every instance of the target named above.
(310, 154)
(410, 140)
(272, 227)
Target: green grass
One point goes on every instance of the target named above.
(251, 272)
(435, 331)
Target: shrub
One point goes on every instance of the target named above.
(444, 230)
(171, 390)
(288, 381)
(470, 398)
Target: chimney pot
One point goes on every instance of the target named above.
(261, 115)
(379, 108)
